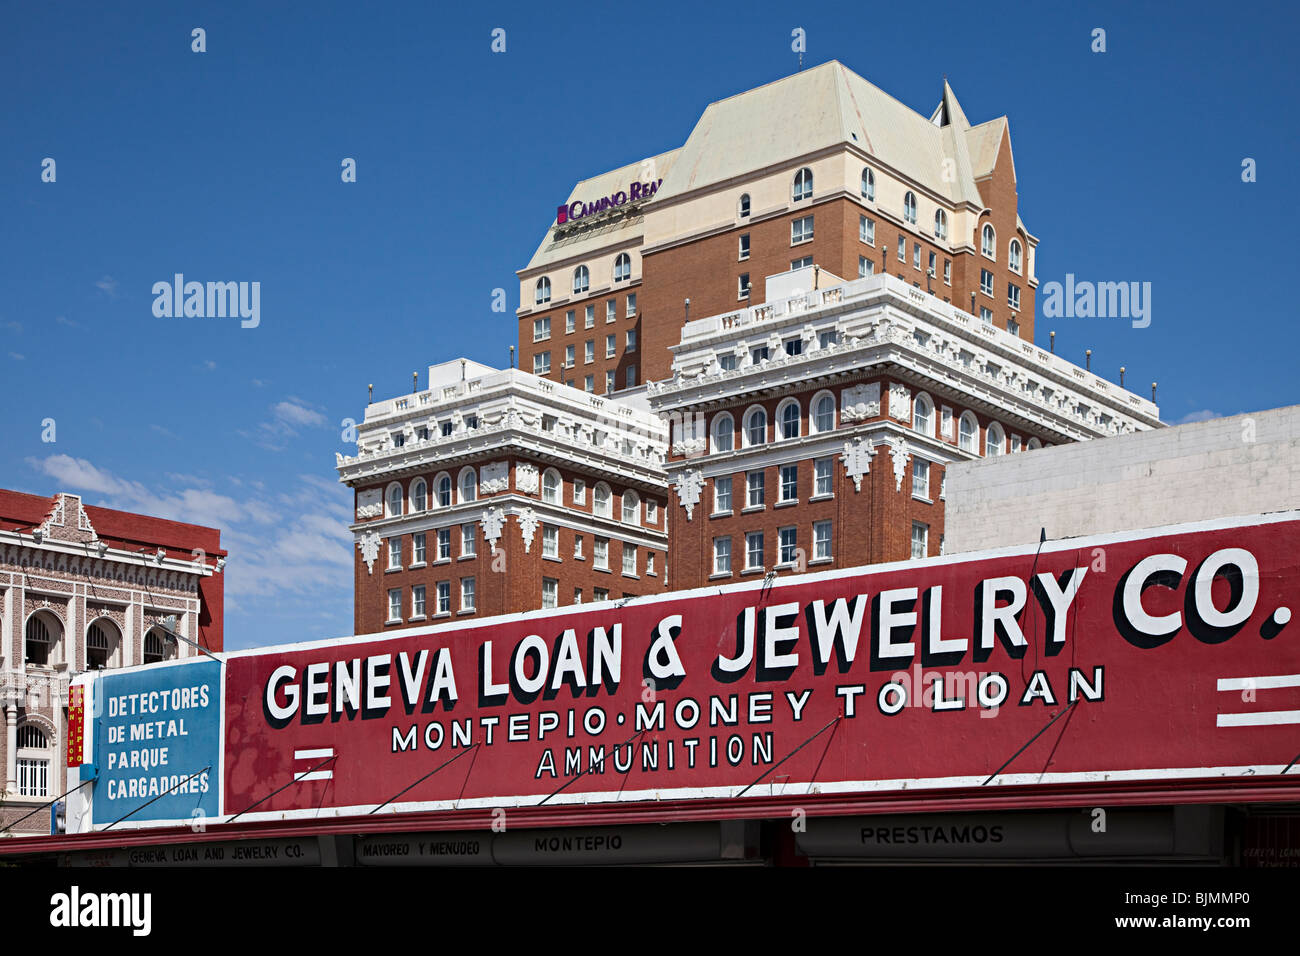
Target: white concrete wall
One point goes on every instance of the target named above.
(1246, 464)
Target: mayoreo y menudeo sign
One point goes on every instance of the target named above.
(1150, 656)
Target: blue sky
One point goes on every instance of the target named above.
(225, 165)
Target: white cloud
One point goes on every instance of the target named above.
(107, 285)
(295, 412)
(1204, 415)
(17, 356)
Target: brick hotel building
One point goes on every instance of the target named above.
(828, 296)
(84, 588)
(495, 491)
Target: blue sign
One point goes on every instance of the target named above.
(157, 742)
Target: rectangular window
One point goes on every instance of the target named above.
(986, 282)
(947, 271)
(721, 495)
(920, 539)
(822, 476)
(788, 539)
(1013, 296)
(789, 482)
(589, 351)
(902, 248)
(550, 541)
(444, 544)
(758, 354)
(754, 550)
(611, 310)
(727, 361)
(803, 263)
(600, 554)
(631, 304)
(541, 329)
(467, 594)
(932, 262)
(754, 484)
(828, 338)
(550, 593)
(629, 377)
(651, 511)
(589, 317)
(742, 286)
(649, 562)
(542, 363)
(568, 356)
(445, 429)
(444, 597)
(744, 246)
(916, 256)
(629, 559)
(394, 552)
(577, 546)
(579, 491)
(821, 539)
(395, 604)
(865, 267)
(610, 346)
(569, 322)
(722, 555)
(793, 346)
(867, 230)
(630, 345)
(417, 601)
(468, 539)
(920, 478)
(399, 439)
(577, 595)
(589, 383)
(33, 777)
(600, 594)
(801, 230)
(986, 314)
(417, 548)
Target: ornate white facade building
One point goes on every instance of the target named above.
(495, 491)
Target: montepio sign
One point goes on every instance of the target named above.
(637, 192)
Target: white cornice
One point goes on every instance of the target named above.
(120, 556)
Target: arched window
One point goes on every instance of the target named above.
(155, 646)
(581, 280)
(909, 207)
(543, 293)
(994, 440)
(602, 501)
(868, 185)
(41, 639)
(419, 495)
(803, 184)
(724, 432)
(102, 642)
(394, 496)
(756, 427)
(744, 205)
(32, 761)
(622, 267)
(968, 433)
(468, 485)
(631, 507)
(988, 241)
(1033, 444)
(552, 487)
(788, 415)
(442, 490)
(923, 415)
(1015, 257)
(823, 417)
(941, 224)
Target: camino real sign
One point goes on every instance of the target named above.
(157, 745)
(1158, 656)
(637, 192)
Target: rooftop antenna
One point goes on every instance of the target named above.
(512, 356)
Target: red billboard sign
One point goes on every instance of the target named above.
(1161, 657)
